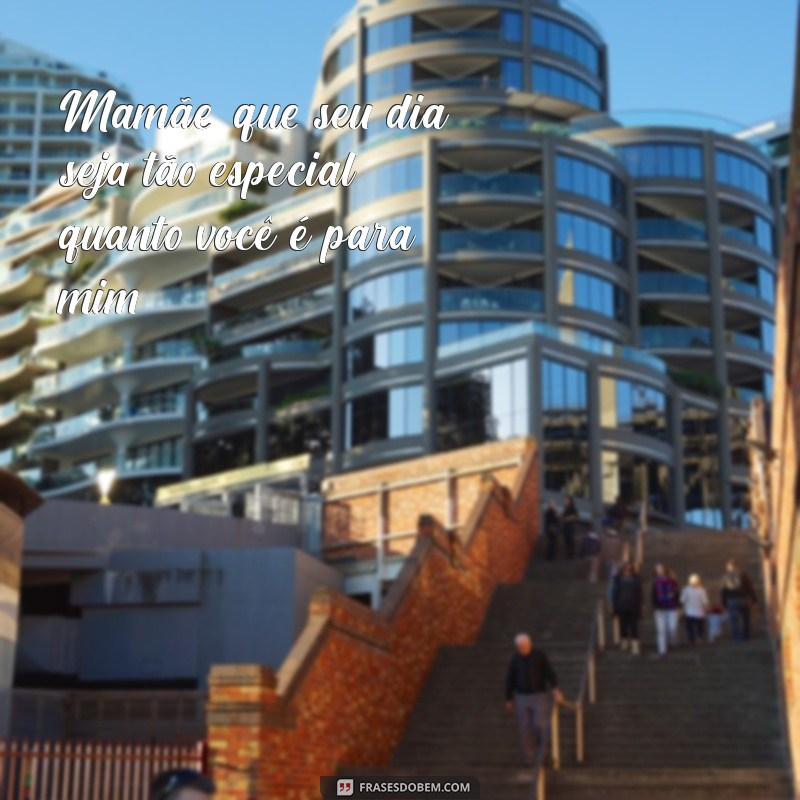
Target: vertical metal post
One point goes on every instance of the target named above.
(450, 501)
(540, 785)
(380, 543)
(579, 733)
(592, 678)
(555, 737)
(601, 627)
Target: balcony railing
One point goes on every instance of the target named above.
(523, 184)
(745, 340)
(464, 34)
(290, 347)
(318, 299)
(170, 405)
(194, 296)
(672, 229)
(575, 338)
(667, 336)
(503, 241)
(492, 299)
(260, 270)
(672, 283)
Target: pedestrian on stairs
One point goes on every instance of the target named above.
(591, 552)
(666, 606)
(738, 593)
(569, 522)
(552, 525)
(694, 600)
(528, 683)
(627, 604)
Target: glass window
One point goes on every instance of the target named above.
(766, 284)
(400, 288)
(578, 232)
(764, 234)
(738, 171)
(565, 428)
(412, 219)
(628, 476)
(552, 35)
(556, 82)
(511, 73)
(511, 26)
(394, 177)
(592, 293)
(340, 59)
(389, 33)
(386, 82)
(662, 160)
(701, 487)
(483, 406)
(634, 407)
(582, 177)
(384, 415)
(450, 332)
(385, 350)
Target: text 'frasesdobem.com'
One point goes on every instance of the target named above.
(400, 788)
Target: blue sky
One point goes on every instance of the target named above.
(732, 59)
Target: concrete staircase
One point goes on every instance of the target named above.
(703, 723)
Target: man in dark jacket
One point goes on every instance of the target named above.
(530, 677)
(738, 593)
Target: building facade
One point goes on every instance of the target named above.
(604, 284)
(35, 147)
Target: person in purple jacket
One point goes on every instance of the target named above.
(666, 606)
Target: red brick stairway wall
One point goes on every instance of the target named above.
(345, 691)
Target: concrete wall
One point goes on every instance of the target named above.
(70, 526)
(168, 615)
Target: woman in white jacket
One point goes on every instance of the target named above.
(694, 600)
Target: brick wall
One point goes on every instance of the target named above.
(779, 521)
(345, 692)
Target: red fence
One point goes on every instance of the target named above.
(66, 770)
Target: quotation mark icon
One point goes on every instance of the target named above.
(345, 788)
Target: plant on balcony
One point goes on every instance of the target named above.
(207, 345)
(237, 210)
(697, 381)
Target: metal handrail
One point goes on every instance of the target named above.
(587, 693)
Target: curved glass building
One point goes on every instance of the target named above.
(605, 285)
(600, 282)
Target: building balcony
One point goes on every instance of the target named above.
(504, 243)
(158, 315)
(94, 430)
(17, 372)
(671, 230)
(18, 329)
(674, 337)
(523, 301)
(80, 477)
(672, 283)
(460, 35)
(291, 311)
(147, 368)
(523, 185)
(18, 415)
(568, 336)
(259, 272)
